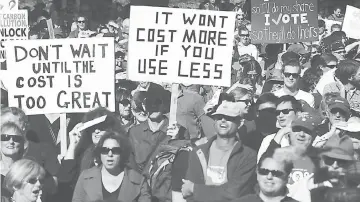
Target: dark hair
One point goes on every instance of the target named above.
(296, 105)
(289, 56)
(120, 95)
(346, 69)
(288, 165)
(321, 23)
(310, 78)
(317, 61)
(110, 124)
(292, 63)
(265, 98)
(252, 65)
(121, 139)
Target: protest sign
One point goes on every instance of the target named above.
(9, 5)
(61, 75)
(351, 25)
(13, 26)
(284, 21)
(180, 45)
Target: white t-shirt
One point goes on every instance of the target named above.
(328, 77)
(301, 95)
(249, 49)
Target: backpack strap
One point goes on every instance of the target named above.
(203, 161)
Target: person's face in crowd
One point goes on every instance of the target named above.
(125, 109)
(330, 65)
(212, 1)
(321, 30)
(285, 114)
(334, 166)
(81, 22)
(266, 116)
(244, 37)
(144, 84)
(97, 132)
(139, 114)
(31, 189)
(110, 154)
(336, 115)
(355, 80)
(272, 177)
(112, 28)
(277, 85)
(244, 103)
(300, 138)
(240, 15)
(337, 12)
(291, 76)
(225, 125)
(11, 142)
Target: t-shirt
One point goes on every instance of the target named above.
(249, 49)
(216, 172)
(301, 95)
(327, 78)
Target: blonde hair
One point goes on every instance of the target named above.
(21, 171)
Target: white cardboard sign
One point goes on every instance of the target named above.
(351, 25)
(175, 45)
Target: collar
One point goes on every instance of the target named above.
(145, 125)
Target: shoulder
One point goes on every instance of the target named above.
(90, 173)
(136, 129)
(248, 153)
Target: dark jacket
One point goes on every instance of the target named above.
(240, 174)
(89, 187)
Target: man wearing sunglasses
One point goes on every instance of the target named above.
(244, 46)
(291, 72)
(222, 169)
(336, 158)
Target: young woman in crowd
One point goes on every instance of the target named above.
(113, 178)
(24, 181)
(123, 108)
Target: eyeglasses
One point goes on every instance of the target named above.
(330, 161)
(15, 138)
(331, 66)
(336, 110)
(114, 150)
(34, 180)
(227, 118)
(283, 111)
(81, 21)
(247, 102)
(294, 75)
(275, 173)
(244, 35)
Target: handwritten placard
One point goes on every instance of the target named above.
(61, 75)
(284, 21)
(180, 45)
(351, 25)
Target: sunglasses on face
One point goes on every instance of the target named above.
(331, 66)
(114, 150)
(247, 102)
(283, 111)
(227, 118)
(275, 173)
(81, 21)
(330, 161)
(15, 138)
(294, 75)
(244, 35)
(34, 180)
(335, 111)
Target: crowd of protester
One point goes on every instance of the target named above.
(288, 129)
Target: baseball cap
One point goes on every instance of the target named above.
(308, 121)
(339, 148)
(230, 109)
(297, 48)
(339, 103)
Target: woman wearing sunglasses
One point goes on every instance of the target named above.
(113, 178)
(24, 181)
(272, 175)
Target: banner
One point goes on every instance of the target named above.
(13, 26)
(61, 75)
(175, 45)
(351, 25)
(9, 5)
(284, 21)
